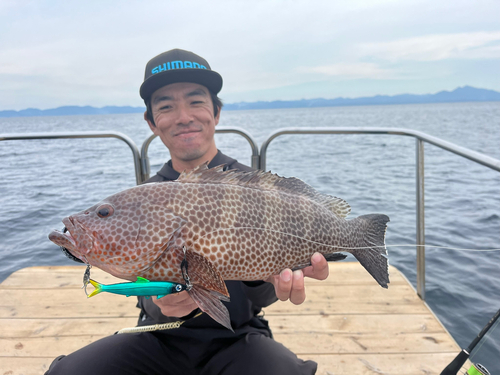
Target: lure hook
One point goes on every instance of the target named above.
(86, 278)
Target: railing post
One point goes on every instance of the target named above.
(420, 219)
(145, 167)
(256, 161)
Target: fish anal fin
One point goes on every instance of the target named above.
(201, 271)
(210, 303)
(334, 257)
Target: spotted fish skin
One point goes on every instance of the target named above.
(229, 225)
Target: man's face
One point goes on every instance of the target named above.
(184, 117)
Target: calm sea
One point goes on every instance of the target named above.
(43, 181)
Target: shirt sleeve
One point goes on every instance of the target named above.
(261, 293)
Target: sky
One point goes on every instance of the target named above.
(57, 53)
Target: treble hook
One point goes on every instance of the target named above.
(86, 278)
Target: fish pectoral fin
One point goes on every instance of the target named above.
(142, 280)
(160, 296)
(202, 272)
(210, 302)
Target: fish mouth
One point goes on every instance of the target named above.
(67, 252)
(65, 240)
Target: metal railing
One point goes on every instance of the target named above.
(420, 139)
(142, 169)
(110, 134)
(146, 169)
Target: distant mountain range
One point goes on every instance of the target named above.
(72, 110)
(460, 94)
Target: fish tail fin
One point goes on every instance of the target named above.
(370, 250)
(97, 290)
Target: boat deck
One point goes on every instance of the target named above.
(348, 324)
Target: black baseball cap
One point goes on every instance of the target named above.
(178, 65)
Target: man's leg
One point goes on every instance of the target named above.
(127, 354)
(258, 354)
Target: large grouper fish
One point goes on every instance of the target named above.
(227, 225)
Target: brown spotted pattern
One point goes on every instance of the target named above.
(247, 225)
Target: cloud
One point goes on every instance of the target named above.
(351, 70)
(58, 53)
(474, 45)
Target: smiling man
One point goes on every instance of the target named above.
(183, 117)
(180, 91)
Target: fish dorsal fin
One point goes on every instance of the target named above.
(141, 280)
(337, 205)
(265, 181)
(296, 186)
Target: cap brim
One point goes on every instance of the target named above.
(208, 78)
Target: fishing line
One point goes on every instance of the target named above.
(345, 247)
(444, 247)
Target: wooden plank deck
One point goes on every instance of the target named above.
(348, 324)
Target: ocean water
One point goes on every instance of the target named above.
(45, 180)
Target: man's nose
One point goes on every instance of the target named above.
(184, 115)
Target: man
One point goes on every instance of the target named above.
(180, 91)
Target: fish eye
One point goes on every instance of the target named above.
(178, 287)
(106, 210)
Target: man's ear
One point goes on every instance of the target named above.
(216, 118)
(151, 124)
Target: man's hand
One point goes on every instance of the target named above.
(176, 305)
(290, 285)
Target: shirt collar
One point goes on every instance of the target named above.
(170, 173)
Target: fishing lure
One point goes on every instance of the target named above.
(141, 287)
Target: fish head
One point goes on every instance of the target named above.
(124, 235)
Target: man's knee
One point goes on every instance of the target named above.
(125, 354)
(256, 353)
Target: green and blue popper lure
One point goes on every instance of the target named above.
(141, 287)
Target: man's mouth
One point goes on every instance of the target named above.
(187, 132)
